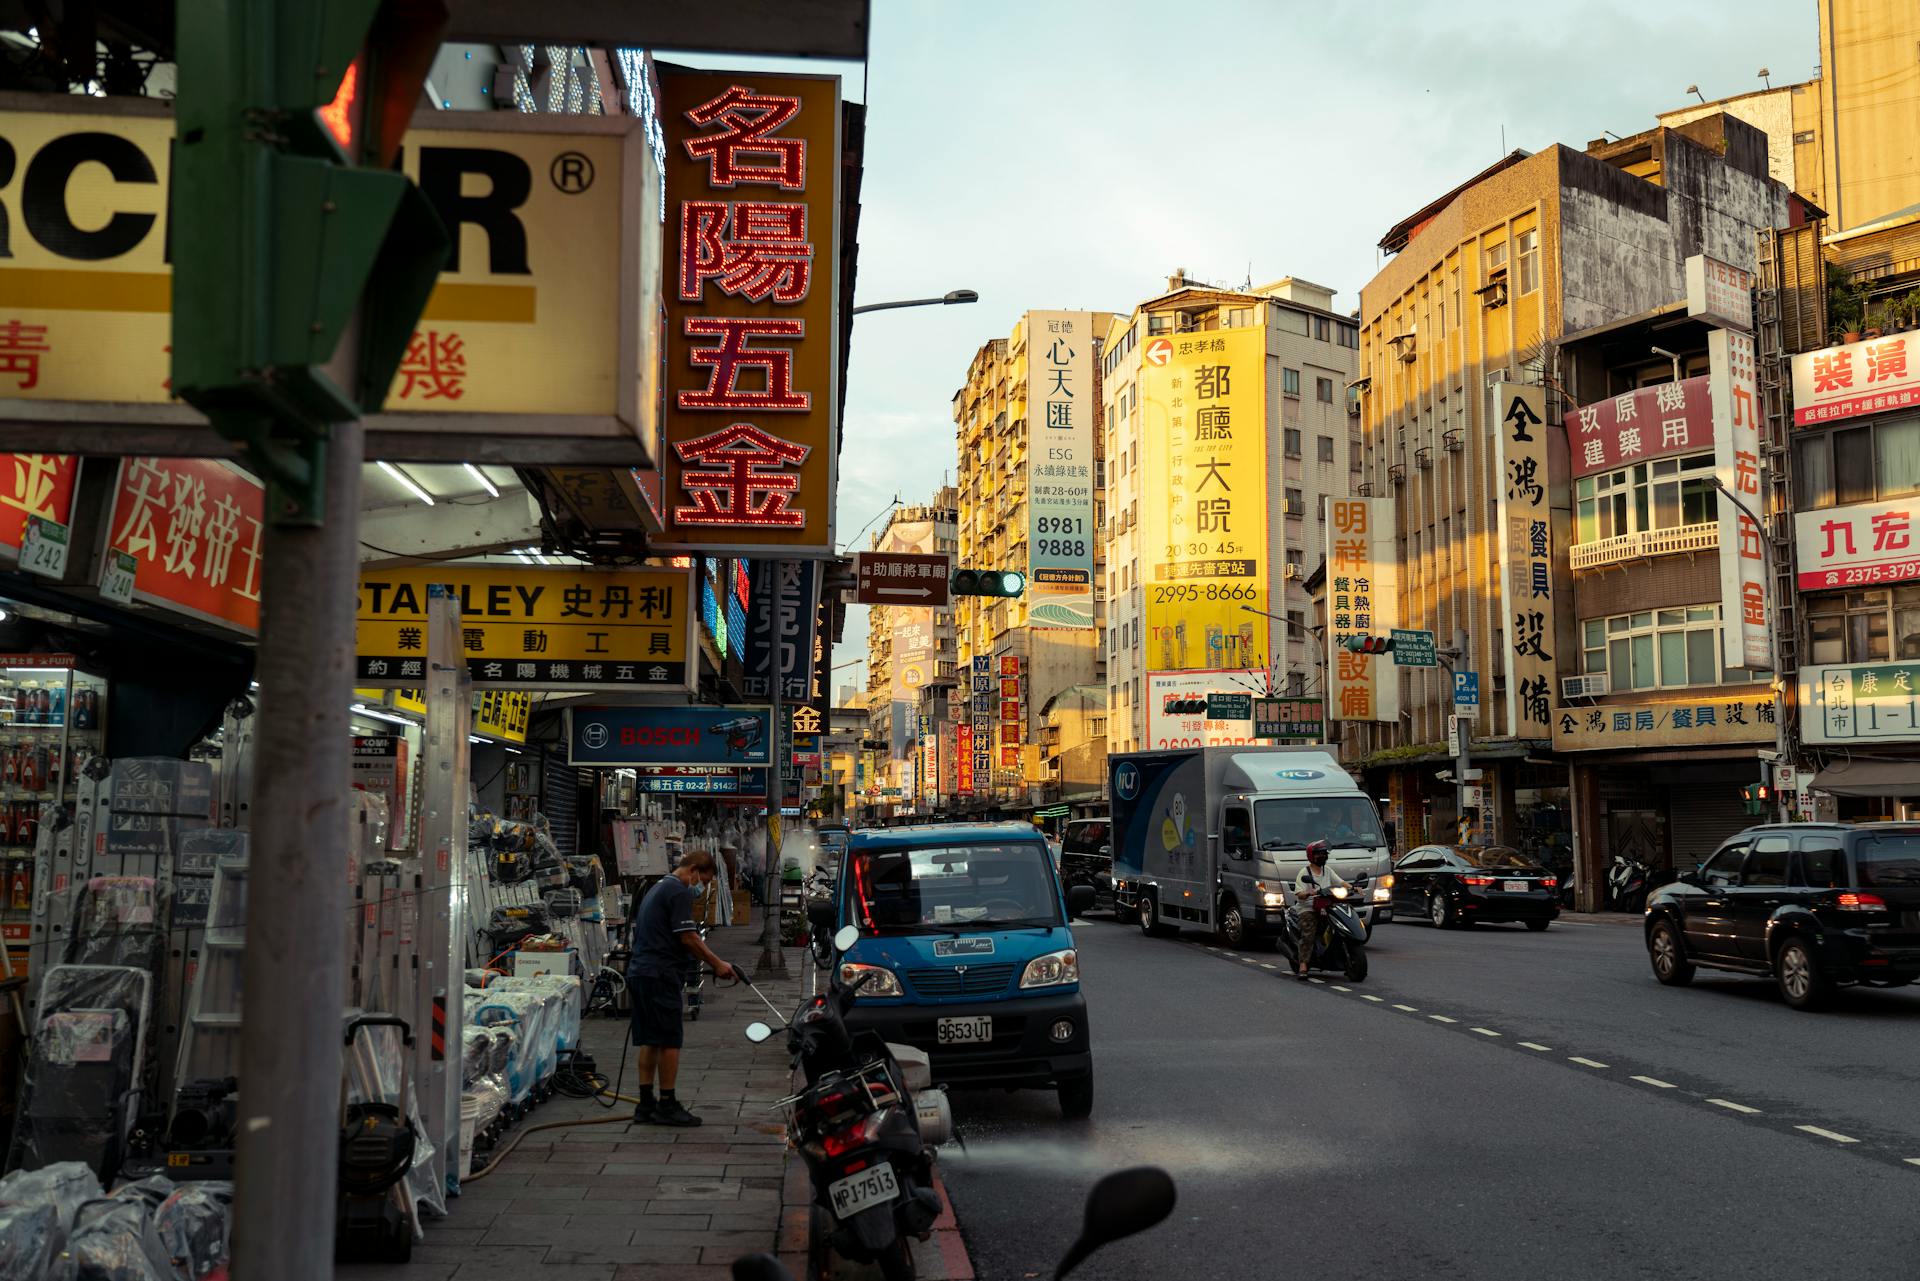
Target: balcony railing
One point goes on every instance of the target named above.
(1648, 542)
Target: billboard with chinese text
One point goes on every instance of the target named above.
(1652, 422)
(193, 527)
(1736, 460)
(1203, 514)
(782, 605)
(1363, 599)
(1524, 539)
(752, 330)
(535, 628)
(1868, 703)
(916, 641)
(1867, 377)
(1060, 413)
(1168, 729)
(1859, 546)
(1698, 718)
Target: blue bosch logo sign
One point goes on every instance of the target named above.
(1126, 780)
(1299, 775)
(595, 735)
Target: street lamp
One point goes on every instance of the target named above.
(1773, 631)
(948, 299)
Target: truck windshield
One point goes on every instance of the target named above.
(1344, 822)
(954, 887)
(1888, 860)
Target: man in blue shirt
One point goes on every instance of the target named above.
(666, 945)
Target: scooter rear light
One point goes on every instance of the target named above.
(1852, 901)
(854, 1137)
(1476, 880)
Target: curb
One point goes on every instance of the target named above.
(942, 1257)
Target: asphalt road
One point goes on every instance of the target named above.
(1509, 1105)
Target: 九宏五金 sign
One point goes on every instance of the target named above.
(1362, 600)
(1744, 640)
(1060, 408)
(534, 628)
(1203, 515)
(1699, 718)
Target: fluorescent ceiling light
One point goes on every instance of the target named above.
(489, 486)
(412, 486)
(381, 716)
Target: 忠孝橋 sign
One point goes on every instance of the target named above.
(636, 736)
(752, 329)
(532, 628)
(543, 327)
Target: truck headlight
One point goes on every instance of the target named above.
(1272, 899)
(1381, 894)
(883, 983)
(1052, 969)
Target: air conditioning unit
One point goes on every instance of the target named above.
(1293, 570)
(1591, 686)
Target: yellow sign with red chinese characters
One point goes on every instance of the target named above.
(1363, 599)
(1203, 515)
(753, 292)
(546, 308)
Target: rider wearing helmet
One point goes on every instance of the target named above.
(1316, 877)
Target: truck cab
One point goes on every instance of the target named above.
(1213, 837)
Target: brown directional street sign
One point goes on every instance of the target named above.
(900, 578)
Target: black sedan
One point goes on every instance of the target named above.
(1459, 884)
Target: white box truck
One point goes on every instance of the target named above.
(1212, 837)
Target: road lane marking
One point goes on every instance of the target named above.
(1575, 1058)
(1411, 1009)
(1365, 997)
(1532, 1045)
(1734, 1107)
(1336, 987)
(1485, 1031)
(1265, 966)
(1314, 980)
(1913, 1160)
(1655, 1082)
(1827, 1134)
(1441, 1018)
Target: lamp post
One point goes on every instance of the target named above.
(1780, 755)
(949, 299)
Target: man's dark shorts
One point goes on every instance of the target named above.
(656, 1011)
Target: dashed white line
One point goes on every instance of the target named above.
(1913, 1160)
(1485, 1031)
(1734, 1107)
(1365, 997)
(1656, 1082)
(1411, 1009)
(1265, 966)
(1336, 987)
(1534, 1045)
(1322, 982)
(1827, 1134)
(1441, 1018)
(1575, 1058)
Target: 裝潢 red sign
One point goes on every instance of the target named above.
(1867, 377)
(193, 527)
(1651, 422)
(35, 485)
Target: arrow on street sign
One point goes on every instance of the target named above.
(918, 593)
(1159, 351)
(892, 578)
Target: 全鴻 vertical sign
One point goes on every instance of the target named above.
(753, 334)
(1524, 538)
(1203, 517)
(1363, 595)
(1060, 469)
(1736, 457)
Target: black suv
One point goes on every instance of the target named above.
(1086, 857)
(1813, 904)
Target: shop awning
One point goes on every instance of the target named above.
(1869, 778)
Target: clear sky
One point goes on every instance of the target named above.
(1055, 154)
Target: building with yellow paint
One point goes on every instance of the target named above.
(910, 650)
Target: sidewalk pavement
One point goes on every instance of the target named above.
(610, 1202)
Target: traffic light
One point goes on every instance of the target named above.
(987, 582)
(1364, 644)
(1185, 706)
(1755, 797)
(301, 257)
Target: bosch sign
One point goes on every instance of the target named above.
(640, 736)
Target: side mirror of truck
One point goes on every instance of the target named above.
(1387, 828)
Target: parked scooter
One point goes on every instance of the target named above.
(866, 1139)
(1121, 1204)
(1627, 884)
(1339, 939)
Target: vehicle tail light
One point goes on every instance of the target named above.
(1549, 882)
(1851, 901)
(855, 1136)
(1476, 880)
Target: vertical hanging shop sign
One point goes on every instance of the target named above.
(980, 705)
(1524, 540)
(1363, 595)
(1736, 462)
(753, 334)
(782, 603)
(1060, 467)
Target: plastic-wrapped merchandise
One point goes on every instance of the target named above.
(564, 992)
(29, 1237)
(118, 920)
(162, 785)
(519, 1012)
(114, 1238)
(476, 1054)
(80, 1089)
(65, 1185)
(195, 1227)
(389, 1052)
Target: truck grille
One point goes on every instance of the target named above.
(977, 981)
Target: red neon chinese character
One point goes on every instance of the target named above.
(1746, 472)
(758, 251)
(1887, 360)
(437, 362)
(1835, 530)
(1833, 371)
(21, 347)
(1753, 604)
(747, 119)
(733, 355)
(1890, 532)
(746, 483)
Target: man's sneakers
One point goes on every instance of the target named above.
(674, 1113)
(643, 1112)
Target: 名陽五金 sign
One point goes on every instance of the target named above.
(752, 324)
(1203, 517)
(534, 628)
(1060, 469)
(1362, 600)
(1652, 422)
(1525, 543)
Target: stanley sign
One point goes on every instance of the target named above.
(534, 330)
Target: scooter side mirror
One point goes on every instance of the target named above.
(758, 1032)
(846, 938)
(759, 1267)
(1123, 1203)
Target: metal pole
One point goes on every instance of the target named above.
(773, 961)
(1463, 759)
(293, 971)
(1780, 752)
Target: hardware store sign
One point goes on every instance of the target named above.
(1696, 720)
(532, 628)
(736, 737)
